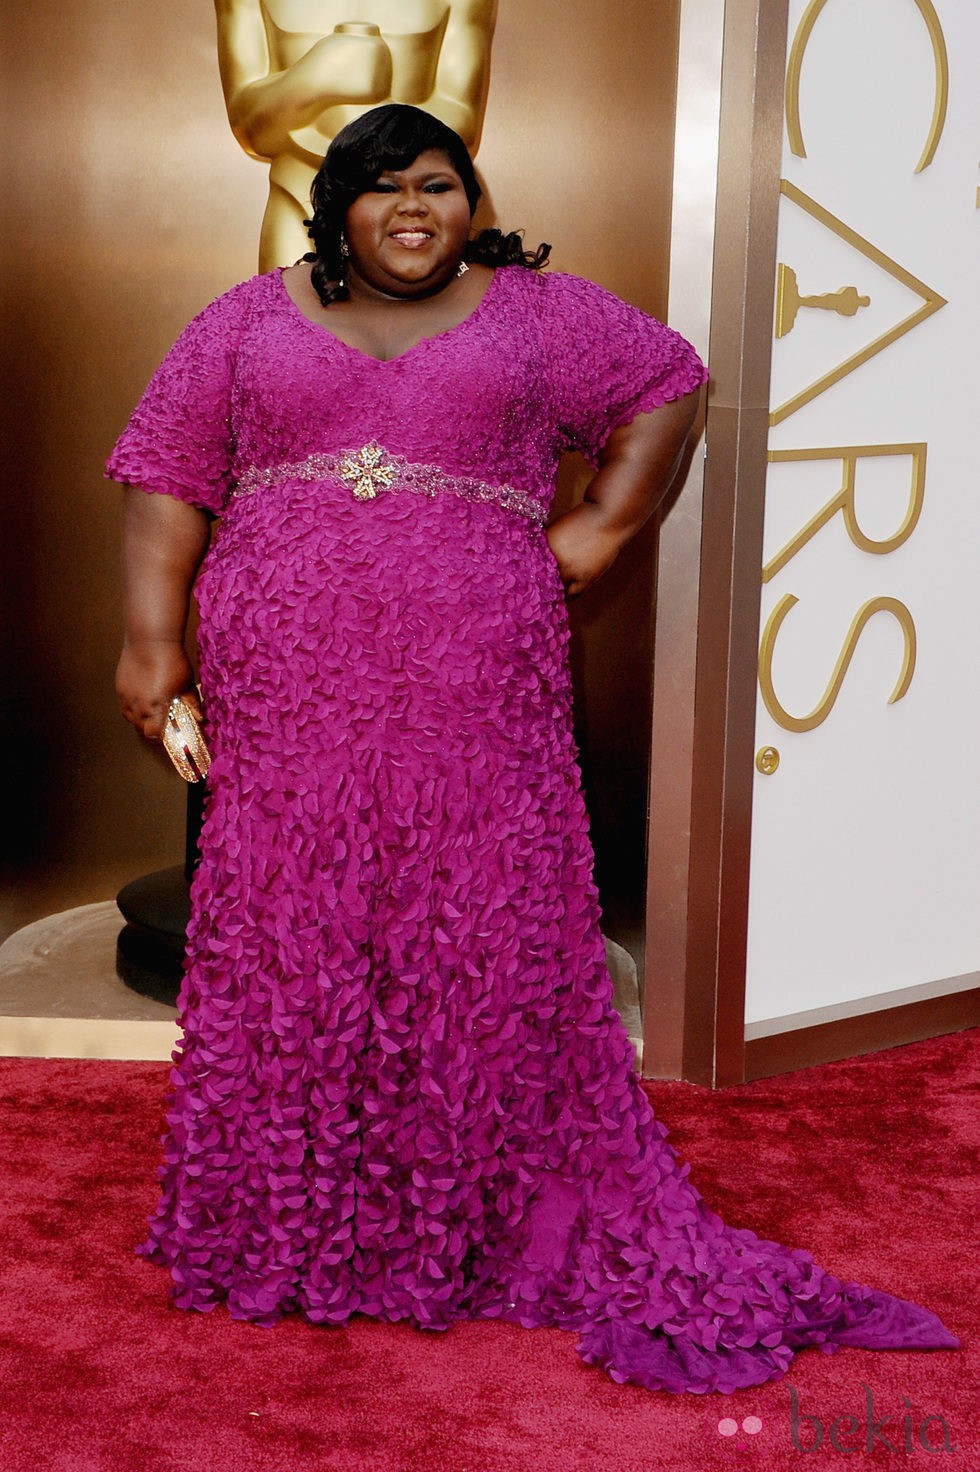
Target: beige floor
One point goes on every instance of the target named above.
(60, 996)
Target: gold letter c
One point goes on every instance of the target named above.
(800, 42)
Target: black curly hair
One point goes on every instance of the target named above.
(392, 137)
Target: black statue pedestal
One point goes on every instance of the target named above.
(156, 908)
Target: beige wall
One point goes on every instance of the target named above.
(131, 206)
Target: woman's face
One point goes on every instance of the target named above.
(406, 233)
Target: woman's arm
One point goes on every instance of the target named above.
(636, 467)
(164, 541)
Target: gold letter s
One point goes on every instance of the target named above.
(827, 701)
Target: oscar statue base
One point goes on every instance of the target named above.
(156, 908)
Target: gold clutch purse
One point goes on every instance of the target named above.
(184, 743)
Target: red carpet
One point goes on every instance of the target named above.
(870, 1164)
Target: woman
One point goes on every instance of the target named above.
(403, 1089)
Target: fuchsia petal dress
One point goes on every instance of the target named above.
(402, 1088)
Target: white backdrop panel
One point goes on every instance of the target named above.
(865, 870)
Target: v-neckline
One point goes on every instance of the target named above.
(399, 357)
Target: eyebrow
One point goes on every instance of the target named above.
(446, 173)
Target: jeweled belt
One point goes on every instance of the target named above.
(372, 469)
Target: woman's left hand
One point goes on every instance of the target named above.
(584, 544)
(636, 466)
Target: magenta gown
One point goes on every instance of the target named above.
(402, 1088)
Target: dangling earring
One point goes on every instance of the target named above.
(344, 248)
(462, 268)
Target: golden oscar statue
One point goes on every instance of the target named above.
(294, 72)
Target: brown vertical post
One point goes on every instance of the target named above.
(705, 674)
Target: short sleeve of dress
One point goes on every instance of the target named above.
(180, 440)
(610, 361)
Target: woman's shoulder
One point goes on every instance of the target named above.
(539, 296)
(566, 306)
(234, 305)
(243, 293)
(225, 318)
(562, 289)
(544, 282)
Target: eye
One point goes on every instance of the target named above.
(439, 186)
(384, 186)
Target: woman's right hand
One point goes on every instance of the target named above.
(149, 674)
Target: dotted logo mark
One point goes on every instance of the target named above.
(752, 1425)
